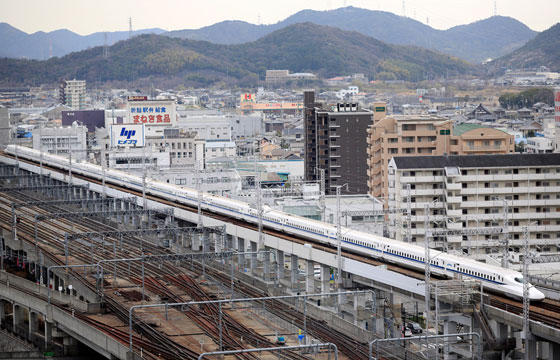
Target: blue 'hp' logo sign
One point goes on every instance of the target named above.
(127, 134)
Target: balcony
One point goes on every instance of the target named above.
(421, 179)
(453, 186)
(453, 199)
(454, 226)
(454, 213)
(426, 192)
(455, 239)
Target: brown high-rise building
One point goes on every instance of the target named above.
(336, 141)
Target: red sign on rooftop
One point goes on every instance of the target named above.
(138, 98)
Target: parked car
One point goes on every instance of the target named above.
(414, 327)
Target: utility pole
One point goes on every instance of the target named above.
(258, 194)
(526, 299)
(339, 238)
(409, 215)
(259, 205)
(102, 170)
(41, 149)
(322, 195)
(105, 47)
(505, 254)
(144, 200)
(427, 263)
(199, 194)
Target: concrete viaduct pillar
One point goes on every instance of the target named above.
(280, 261)
(241, 247)
(253, 256)
(294, 270)
(309, 277)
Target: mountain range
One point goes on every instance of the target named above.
(15, 43)
(489, 38)
(303, 47)
(543, 50)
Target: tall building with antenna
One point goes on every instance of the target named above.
(495, 8)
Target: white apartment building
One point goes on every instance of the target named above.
(219, 149)
(72, 93)
(61, 140)
(467, 192)
(539, 145)
(208, 128)
(222, 182)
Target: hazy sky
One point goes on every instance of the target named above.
(88, 16)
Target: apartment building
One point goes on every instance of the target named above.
(336, 142)
(469, 192)
(72, 93)
(426, 135)
(61, 140)
(173, 148)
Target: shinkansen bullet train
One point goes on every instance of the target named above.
(495, 279)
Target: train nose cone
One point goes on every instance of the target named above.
(535, 295)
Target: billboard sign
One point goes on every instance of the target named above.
(248, 97)
(152, 112)
(137, 98)
(129, 135)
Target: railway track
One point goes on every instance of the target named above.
(233, 329)
(547, 312)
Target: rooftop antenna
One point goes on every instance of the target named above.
(403, 8)
(130, 27)
(259, 20)
(105, 47)
(495, 8)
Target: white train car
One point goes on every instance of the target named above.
(496, 279)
